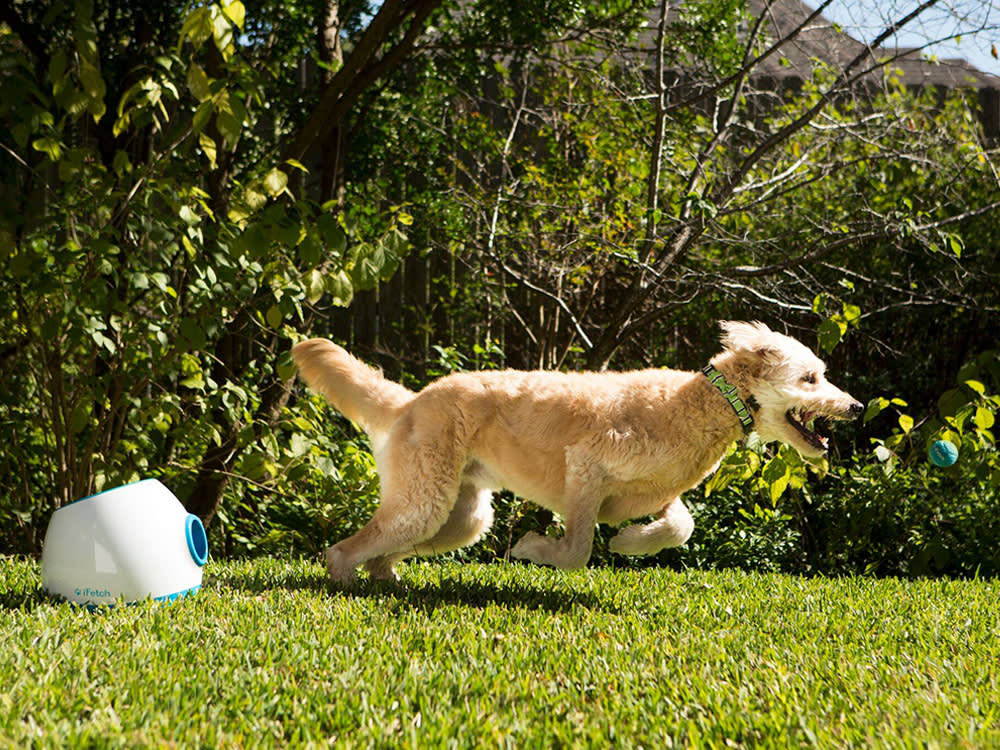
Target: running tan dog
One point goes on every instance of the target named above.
(593, 447)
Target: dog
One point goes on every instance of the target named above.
(594, 447)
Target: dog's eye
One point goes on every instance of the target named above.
(810, 378)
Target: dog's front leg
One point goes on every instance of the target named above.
(672, 527)
(582, 501)
(570, 552)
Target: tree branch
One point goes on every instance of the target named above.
(844, 79)
(887, 230)
(362, 68)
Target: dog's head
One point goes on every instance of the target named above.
(787, 381)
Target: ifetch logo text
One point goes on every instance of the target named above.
(95, 593)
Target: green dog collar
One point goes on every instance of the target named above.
(743, 412)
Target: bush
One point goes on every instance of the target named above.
(890, 512)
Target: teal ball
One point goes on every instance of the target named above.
(943, 453)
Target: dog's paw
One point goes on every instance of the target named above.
(528, 546)
(672, 530)
(340, 570)
(533, 547)
(629, 541)
(382, 569)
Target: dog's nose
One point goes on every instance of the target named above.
(856, 409)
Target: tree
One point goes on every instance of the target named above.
(711, 184)
(174, 184)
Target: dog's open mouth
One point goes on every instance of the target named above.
(804, 421)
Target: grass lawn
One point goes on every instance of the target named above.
(505, 656)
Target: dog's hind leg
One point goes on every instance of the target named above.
(671, 528)
(400, 523)
(468, 520)
(421, 472)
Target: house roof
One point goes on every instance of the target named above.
(823, 40)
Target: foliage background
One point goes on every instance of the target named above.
(189, 189)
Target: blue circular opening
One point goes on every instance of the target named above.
(197, 539)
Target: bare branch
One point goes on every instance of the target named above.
(521, 279)
(887, 230)
(845, 78)
(362, 67)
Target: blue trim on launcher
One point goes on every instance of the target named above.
(167, 598)
(197, 540)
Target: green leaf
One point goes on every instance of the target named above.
(300, 444)
(254, 199)
(253, 241)
(286, 370)
(193, 333)
(367, 265)
(340, 288)
(81, 416)
(195, 382)
(830, 334)
(394, 246)
(198, 26)
(94, 88)
(776, 474)
(951, 401)
(121, 163)
(332, 233)
(198, 83)
(208, 148)
(49, 146)
(275, 182)
(875, 407)
(235, 12)
(274, 317)
(229, 118)
(188, 216)
(906, 423)
(202, 115)
(984, 418)
(57, 66)
(315, 285)
(976, 386)
(310, 251)
(852, 313)
(778, 488)
(222, 33)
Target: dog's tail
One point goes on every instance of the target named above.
(358, 391)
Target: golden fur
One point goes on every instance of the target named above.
(592, 447)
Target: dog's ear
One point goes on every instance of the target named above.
(750, 344)
(738, 336)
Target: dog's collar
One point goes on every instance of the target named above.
(731, 395)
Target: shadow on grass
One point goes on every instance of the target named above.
(511, 587)
(25, 599)
(428, 596)
(450, 588)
